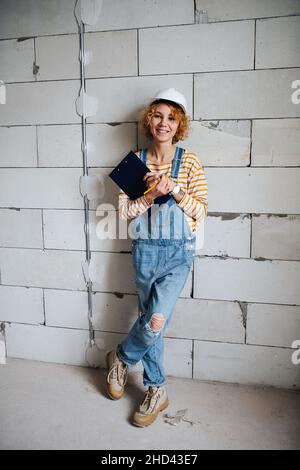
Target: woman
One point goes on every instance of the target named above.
(163, 248)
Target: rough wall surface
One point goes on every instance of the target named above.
(238, 63)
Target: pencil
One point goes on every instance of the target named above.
(151, 187)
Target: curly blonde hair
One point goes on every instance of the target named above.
(179, 115)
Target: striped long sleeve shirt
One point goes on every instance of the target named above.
(191, 179)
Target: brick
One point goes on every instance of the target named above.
(40, 103)
(59, 146)
(221, 143)
(30, 18)
(21, 305)
(108, 144)
(227, 235)
(136, 14)
(57, 57)
(114, 312)
(21, 228)
(207, 320)
(246, 94)
(245, 364)
(276, 237)
(277, 42)
(133, 94)
(48, 344)
(221, 52)
(16, 60)
(67, 309)
(64, 229)
(275, 142)
(41, 187)
(37, 268)
(225, 10)
(273, 325)
(253, 190)
(178, 357)
(103, 63)
(112, 272)
(18, 146)
(247, 280)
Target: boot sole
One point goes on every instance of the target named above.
(107, 389)
(162, 408)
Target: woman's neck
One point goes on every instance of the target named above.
(162, 152)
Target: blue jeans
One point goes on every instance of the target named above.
(161, 270)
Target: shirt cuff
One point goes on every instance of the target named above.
(145, 201)
(182, 203)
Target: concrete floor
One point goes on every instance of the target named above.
(52, 406)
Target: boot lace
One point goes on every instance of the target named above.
(151, 398)
(119, 373)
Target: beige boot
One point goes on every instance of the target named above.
(117, 373)
(156, 400)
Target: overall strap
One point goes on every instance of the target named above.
(176, 162)
(143, 156)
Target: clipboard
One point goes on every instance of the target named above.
(128, 175)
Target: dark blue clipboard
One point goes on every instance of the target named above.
(128, 175)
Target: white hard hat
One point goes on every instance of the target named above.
(172, 95)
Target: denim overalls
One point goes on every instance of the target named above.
(162, 258)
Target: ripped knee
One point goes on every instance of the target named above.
(157, 322)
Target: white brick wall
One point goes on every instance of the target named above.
(21, 228)
(42, 268)
(237, 62)
(40, 185)
(137, 14)
(224, 10)
(247, 280)
(273, 325)
(30, 18)
(57, 57)
(245, 94)
(18, 146)
(275, 237)
(21, 305)
(245, 364)
(281, 34)
(258, 190)
(104, 63)
(59, 146)
(227, 235)
(207, 319)
(275, 142)
(16, 60)
(172, 43)
(40, 103)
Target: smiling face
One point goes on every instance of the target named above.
(163, 124)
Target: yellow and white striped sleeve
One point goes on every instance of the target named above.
(194, 202)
